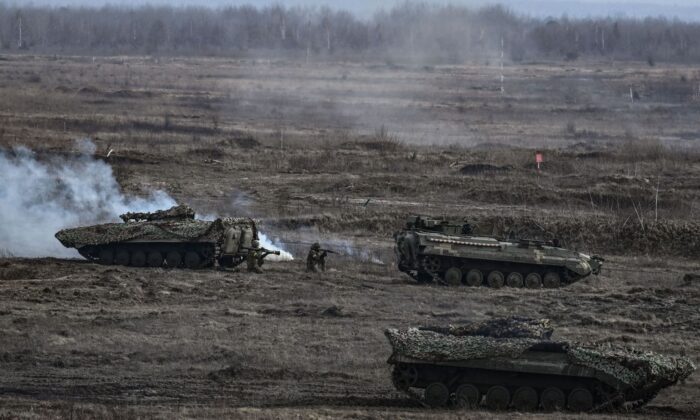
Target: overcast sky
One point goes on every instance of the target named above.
(683, 9)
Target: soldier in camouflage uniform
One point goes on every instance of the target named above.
(255, 257)
(316, 260)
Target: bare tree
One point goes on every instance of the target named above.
(432, 33)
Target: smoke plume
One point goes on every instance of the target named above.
(240, 205)
(267, 243)
(39, 197)
(304, 237)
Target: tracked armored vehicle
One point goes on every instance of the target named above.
(439, 250)
(170, 238)
(513, 363)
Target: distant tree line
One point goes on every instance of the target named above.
(433, 34)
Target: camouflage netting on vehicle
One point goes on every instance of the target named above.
(434, 346)
(635, 368)
(179, 230)
(512, 327)
(511, 337)
(176, 212)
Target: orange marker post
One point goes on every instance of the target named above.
(539, 159)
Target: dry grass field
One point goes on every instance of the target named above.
(342, 152)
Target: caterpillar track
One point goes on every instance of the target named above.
(460, 386)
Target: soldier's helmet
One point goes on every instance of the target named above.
(255, 243)
(316, 246)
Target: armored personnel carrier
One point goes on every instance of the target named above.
(513, 363)
(171, 238)
(436, 249)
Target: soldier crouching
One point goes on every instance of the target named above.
(316, 260)
(255, 258)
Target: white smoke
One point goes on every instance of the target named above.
(241, 204)
(304, 237)
(350, 249)
(265, 242)
(40, 197)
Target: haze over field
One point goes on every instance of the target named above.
(682, 9)
(419, 32)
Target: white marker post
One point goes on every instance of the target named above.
(503, 78)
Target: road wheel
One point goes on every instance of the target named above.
(525, 399)
(138, 259)
(106, 256)
(553, 399)
(173, 259)
(431, 265)
(436, 394)
(155, 259)
(580, 399)
(467, 396)
(497, 398)
(551, 280)
(404, 377)
(192, 260)
(122, 257)
(474, 278)
(515, 280)
(453, 276)
(496, 279)
(533, 281)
